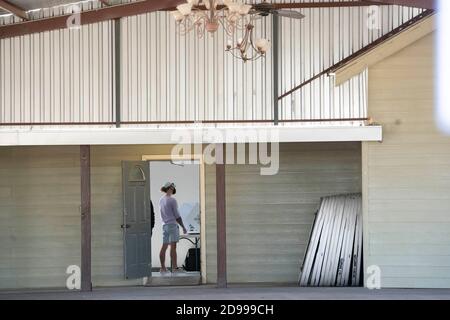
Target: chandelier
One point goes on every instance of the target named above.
(241, 48)
(209, 15)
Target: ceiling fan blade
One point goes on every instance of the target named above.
(288, 14)
(257, 16)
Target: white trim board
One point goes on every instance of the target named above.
(140, 136)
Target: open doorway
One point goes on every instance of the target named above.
(142, 182)
(185, 174)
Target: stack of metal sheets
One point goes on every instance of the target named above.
(334, 254)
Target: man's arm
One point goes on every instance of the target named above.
(180, 222)
(178, 216)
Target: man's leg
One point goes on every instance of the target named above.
(173, 254)
(162, 256)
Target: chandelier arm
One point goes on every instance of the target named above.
(247, 41)
(234, 54)
(229, 28)
(189, 23)
(242, 23)
(253, 46)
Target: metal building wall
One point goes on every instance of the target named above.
(169, 77)
(58, 76)
(324, 37)
(68, 75)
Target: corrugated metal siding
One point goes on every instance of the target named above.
(168, 77)
(54, 9)
(171, 77)
(324, 37)
(58, 76)
(67, 76)
(269, 218)
(406, 178)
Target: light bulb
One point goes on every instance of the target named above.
(234, 7)
(178, 16)
(262, 45)
(232, 18)
(185, 8)
(244, 9)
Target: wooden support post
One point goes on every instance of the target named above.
(85, 172)
(221, 218)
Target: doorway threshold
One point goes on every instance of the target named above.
(174, 279)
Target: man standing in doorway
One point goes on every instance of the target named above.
(171, 219)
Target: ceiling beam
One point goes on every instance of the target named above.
(110, 12)
(425, 4)
(330, 4)
(15, 10)
(309, 5)
(87, 17)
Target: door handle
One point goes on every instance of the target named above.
(125, 226)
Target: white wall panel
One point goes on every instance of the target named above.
(269, 218)
(406, 180)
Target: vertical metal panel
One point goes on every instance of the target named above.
(58, 76)
(168, 77)
(67, 75)
(205, 83)
(328, 35)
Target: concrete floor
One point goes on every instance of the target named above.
(233, 293)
